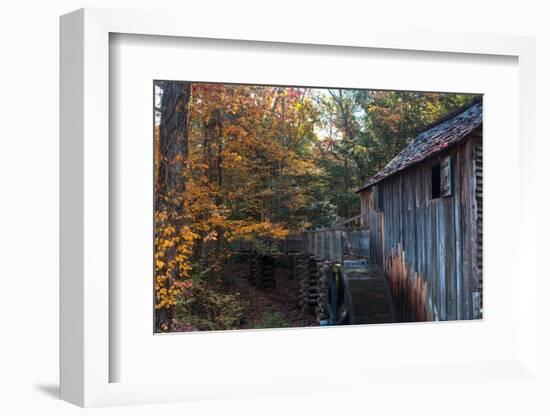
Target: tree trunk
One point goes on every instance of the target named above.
(173, 153)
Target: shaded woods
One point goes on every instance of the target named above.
(241, 163)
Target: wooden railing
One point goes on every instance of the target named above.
(357, 222)
(347, 239)
(337, 244)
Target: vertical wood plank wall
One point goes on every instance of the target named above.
(431, 249)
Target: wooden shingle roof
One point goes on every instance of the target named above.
(431, 142)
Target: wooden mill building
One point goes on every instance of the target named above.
(424, 212)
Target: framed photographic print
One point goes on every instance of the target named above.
(290, 207)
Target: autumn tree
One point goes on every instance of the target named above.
(172, 236)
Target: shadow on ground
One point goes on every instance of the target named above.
(51, 390)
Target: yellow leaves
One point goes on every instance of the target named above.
(187, 234)
(161, 216)
(211, 236)
(239, 144)
(248, 231)
(173, 248)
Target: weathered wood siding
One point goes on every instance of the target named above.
(431, 249)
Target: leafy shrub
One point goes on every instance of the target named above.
(272, 320)
(207, 309)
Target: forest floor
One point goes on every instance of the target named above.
(276, 307)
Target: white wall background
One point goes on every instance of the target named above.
(29, 185)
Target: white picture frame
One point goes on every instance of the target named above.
(85, 355)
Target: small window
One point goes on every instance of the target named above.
(376, 198)
(436, 181)
(441, 179)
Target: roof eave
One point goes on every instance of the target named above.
(451, 145)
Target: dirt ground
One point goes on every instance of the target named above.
(271, 307)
